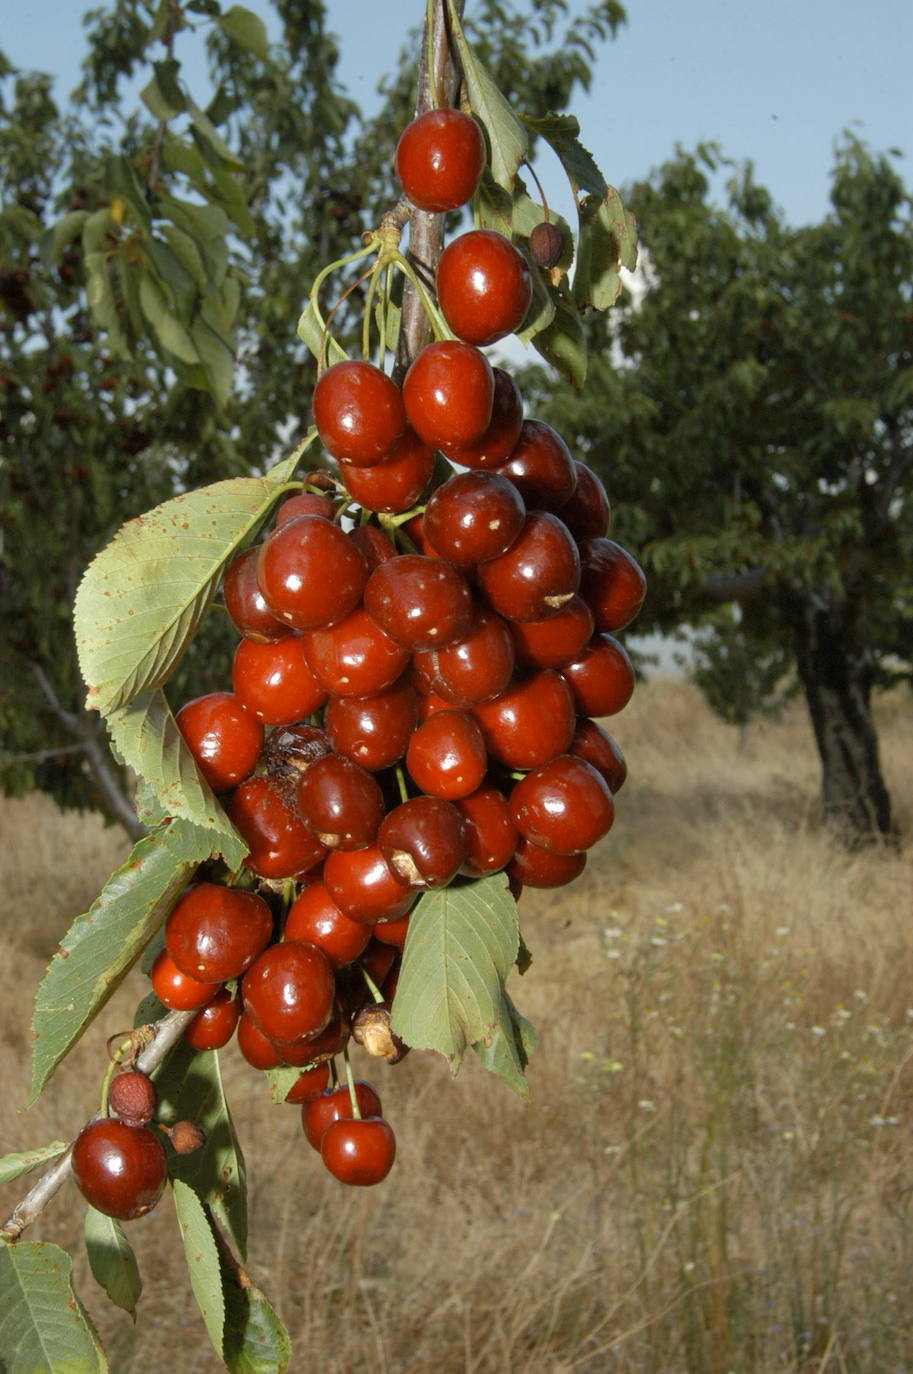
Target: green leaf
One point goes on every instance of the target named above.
(103, 944)
(60, 234)
(190, 1089)
(507, 138)
(171, 334)
(506, 1051)
(144, 595)
(461, 944)
(145, 736)
(43, 1328)
(112, 1260)
(563, 344)
(202, 1256)
(247, 30)
(208, 131)
(102, 303)
(186, 251)
(163, 96)
(13, 1166)
(311, 332)
(561, 131)
(607, 241)
(255, 1340)
(282, 1079)
(217, 357)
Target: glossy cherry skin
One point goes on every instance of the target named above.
(392, 932)
(288, 991)
(423, 841)
(258, 1049)
(363, 885)
(449, 393)
(305, 503)
(474, 516)
(491, 836)
(587, 512)
(310, 572)
(446, 756)
(594, 744)
(340, 802)
(538, 573)
(214, 933)
(395, 484)
(502, 431)
(484, 286)
(439, 159)
(474, 668)
(309, 1085)
(246, 604)
(356, 657)
(565, 805)
(557, 640)
(358, 412)
(175, 989)
(214, 1026)
(315, 917)
(373, 731)
(273, 681)
(541, 467)
(601, 679)
(360, 1152)
(280, 844)
(373, 545)
(119, 1169)
(379, 959)
(612, 581)
(531, 722)
(337, 1106)
(420, 602)
(533, 866)
(224, 738)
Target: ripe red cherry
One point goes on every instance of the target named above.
(558, 639)
(533, 866)
(373, 545)
(356, 657)
(502, 431)
(612, 582)
(359, 1152)
(246, 604)
(214, 1026)
(310, 572)
(364, 886)
(484, 286)
(440, 157)
(423, 842)
(358, 412)
(587, 513)
(565, 805)
(392, 932)
(448, 393)
(541, 467)
(395, 484)
(592, 743)
(317, 1116)
(474, 516)
(531, 722)
(309, 1085)
(214, 933)
(473, 668)
(538, 573)
(373, 731)
(175, 989)
(491, 836)
(340, 802)
(258, 1049)
(119, 1169)
(280, 844)
(446, 756)
(420, 602)
(601, 679)
(288, 991)
(315, 917)
(224, 738)
(274, 682)
(305, 503)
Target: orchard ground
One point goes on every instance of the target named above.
(714, 1170)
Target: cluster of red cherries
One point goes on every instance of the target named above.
(414, 692)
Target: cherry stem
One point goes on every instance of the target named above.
(401, 783)
(433, 315)
(532, 171)
(353, 1097)
(372, 986)
(321, 277)
(429, 43)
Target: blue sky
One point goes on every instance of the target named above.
(776, 82)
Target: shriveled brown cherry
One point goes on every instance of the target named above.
(601, 679)
(533, 866)
(446, 756)
(587, 512)
(246, 604)
(356, 657)
(594, 744)
(449, 393)
(491, 836)
(502, 431)
(564, 805)
(293, 748)
(335, 1106)
(364, 886)
(288, 991)
(359, 1152)
(541, 467)
(484, 286)
(214, 1026)
(119, 1169)
(420, 602)
(538, 573)
(132, 1097)
(439, 159)
(558, 639)
(340, 802)
(423, 841)
(473, 668)
(214, 933)
(373, 731)
(280, 845)
(396, 483)
(530, 722)
(546, 243)
(223, 737)
(175, 989)
(474, 516)
(274, 682)
(315, 917)
(612, 581)
(310, 572)
(358, 412)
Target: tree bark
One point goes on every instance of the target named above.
(834, 666)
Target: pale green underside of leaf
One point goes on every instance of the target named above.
(143, 597)
(460, 947)
(112, 1260)
(255, 1342)
(202, 1256)
(509, 1048)
(312, 331)
(507, 138)
(563, 344)
(281, 1079)
(14, 1166)
(103, 944)
(43, 1329)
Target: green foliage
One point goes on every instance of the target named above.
(15, 1165)
(43, 1328)
(112, 1260)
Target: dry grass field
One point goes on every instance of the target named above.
(715, 1172)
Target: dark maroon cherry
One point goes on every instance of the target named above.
(315, 917)
(340, 802)
(531, 721)
(502, 431)
(541, 467)
(474, 516)
(612, 582)
(538, 573)
(309, 1085)
(359, 1152)
(446, 756)
(373, 731)
(358, 412)
(601, 679)
(449, 393)
(592, 743)
(423, 841)
(279, 843)
(246, 604)
(356, 657)
(274, 682)
(491, 836)
(364, 887)
(310, 572)
(257, 1048)
(214, 1026)
(288, 991)
(422, 603)
(395, 484)
(484, 286)
(223, 737)
(440, 157)
(565, 805)
(305, 503)
(557, 640)
(474, 668)
(175, 989)
(213, 933)
(533, 866)
(119, 1169)
(587, 513)
(336, 1106)
(374, 546)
